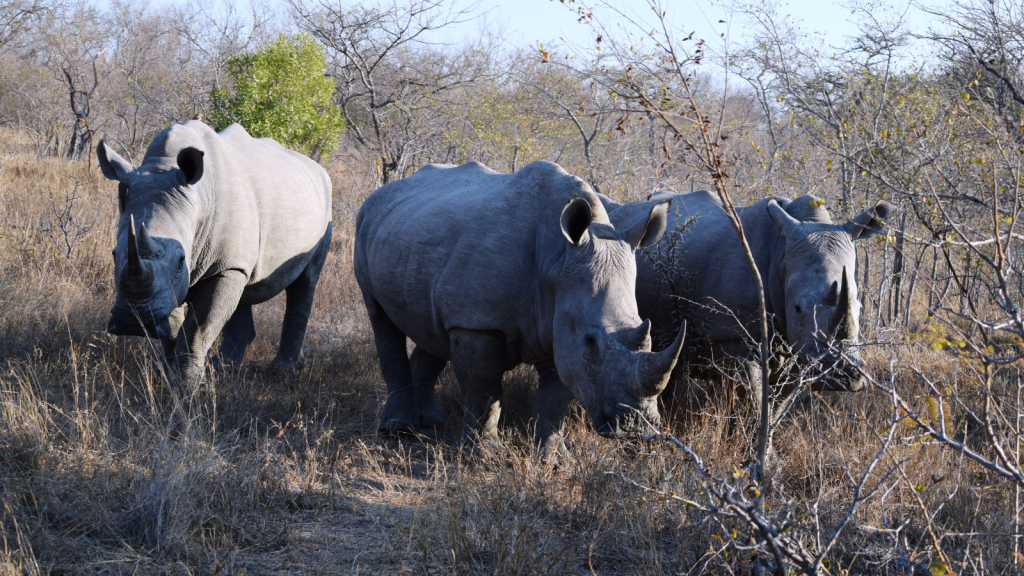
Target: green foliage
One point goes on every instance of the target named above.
(281, 92)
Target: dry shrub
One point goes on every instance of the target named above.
(105, 467)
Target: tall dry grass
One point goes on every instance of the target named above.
(104, 469)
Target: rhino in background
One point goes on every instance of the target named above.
(806, 262)
(492, 270)
(212, 223)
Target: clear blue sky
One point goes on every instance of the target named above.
(533, 21)
(530, 22)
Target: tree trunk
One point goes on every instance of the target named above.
(81, 139)
(883, 286)
(898, 263)
(865, 299)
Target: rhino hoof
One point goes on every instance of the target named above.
(431, 419)
(397, 427)
(285, 368)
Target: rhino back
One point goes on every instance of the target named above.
(707, 271)
(265, 207)
(465, 247)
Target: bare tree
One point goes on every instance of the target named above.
(392, 83)
(15, 18)
(75, 53)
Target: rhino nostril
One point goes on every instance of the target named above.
(163, 329)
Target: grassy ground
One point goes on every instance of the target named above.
(104, 469)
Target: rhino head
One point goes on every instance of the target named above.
(154, 238)
(602, 350)
(818, 306)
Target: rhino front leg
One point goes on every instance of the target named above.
(170, 343)
(549, 411)
(297, 307)
(211, 304)
(478, 359)
(425, 369)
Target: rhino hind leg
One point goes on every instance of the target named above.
(478, 359)
(299, 301)
(399, 414)
(425, 369)
(549, 411)
(238, 333)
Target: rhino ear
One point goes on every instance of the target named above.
(870, 222)
(788, 224)
(190, 164)
(648, 231)
(113, 166)
(576, 218)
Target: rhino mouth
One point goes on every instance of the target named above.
(133, 321)
(624, 422)
(839, 375)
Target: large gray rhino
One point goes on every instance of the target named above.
(807, 264)
(212, 223)
(493, 270)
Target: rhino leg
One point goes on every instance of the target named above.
(425, 369)
(238, 333)
(399, 415)
(740, 377)
(478, 359)
(549, 411)
(211, 304)
(170, 343)
(299, 302)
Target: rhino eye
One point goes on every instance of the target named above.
(590, 341)
(798, 309)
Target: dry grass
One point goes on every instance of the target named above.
(104, 470)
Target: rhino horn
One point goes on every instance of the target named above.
(136, 276)
(639, 336)
(654, 368)
(842, 321)
(148, 248)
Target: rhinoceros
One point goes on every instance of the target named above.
(700, 275)
(492, 270)
(212, 223)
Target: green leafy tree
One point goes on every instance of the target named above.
(282, 92)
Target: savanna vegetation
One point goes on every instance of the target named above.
(107, 467)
